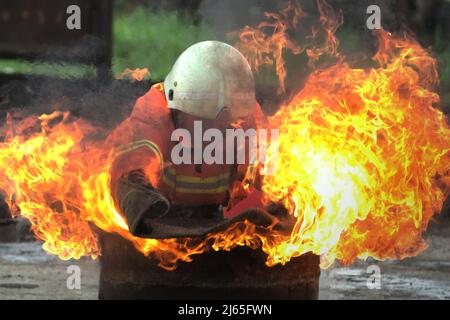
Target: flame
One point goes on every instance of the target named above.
(137, 74)
(360, 153)
(267, 48)
(363, 164)
(43, 184)
(57, 176)
(262, 49)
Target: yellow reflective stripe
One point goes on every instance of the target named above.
(139, 144)
(189, 184)
(193, 179)
(220, 189)
(192, 190)
(122, 150)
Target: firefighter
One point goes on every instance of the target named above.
(210, 82)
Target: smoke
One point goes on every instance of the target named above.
(104, 104)
(231, 15)
(228, 16)
(56, 81)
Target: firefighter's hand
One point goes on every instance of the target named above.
(138, 203)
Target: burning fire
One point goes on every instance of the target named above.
(262, 48)
(361, 153)
(137, 74)
(363, 164)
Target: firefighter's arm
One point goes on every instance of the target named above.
(138, 160)
(134, 175)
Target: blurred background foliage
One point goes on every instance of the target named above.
(144, 38)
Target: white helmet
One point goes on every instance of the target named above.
(208, 77)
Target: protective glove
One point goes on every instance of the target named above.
(138, 201)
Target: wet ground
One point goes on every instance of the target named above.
(426, 276)
(27, 272)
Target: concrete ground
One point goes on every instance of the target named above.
(27, 272)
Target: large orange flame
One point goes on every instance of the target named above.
(363, 165)
(360, 154)
(266, 43)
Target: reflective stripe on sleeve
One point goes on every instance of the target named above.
(122, 150)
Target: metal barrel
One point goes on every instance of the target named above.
(238, 274)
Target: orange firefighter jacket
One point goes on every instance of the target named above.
(143, 142)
